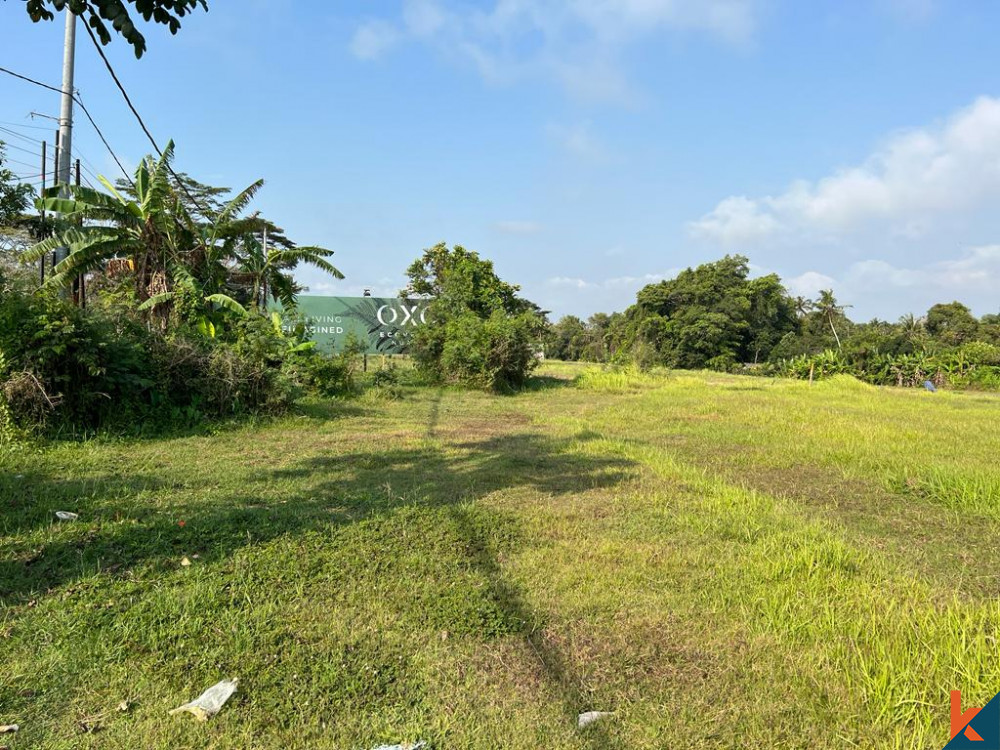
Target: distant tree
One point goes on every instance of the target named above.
(569, 339)
(803, 306)
(772, 315)
(99, 13)
(831, 311)
(479, 332)
(952, 324)
(713, 315)
(461, 277)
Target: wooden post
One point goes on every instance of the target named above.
(78, 281)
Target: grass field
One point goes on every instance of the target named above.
(722, 562)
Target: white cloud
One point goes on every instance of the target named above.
(518, 227)
(576, 43)
(977, 272)
(809, 284)
(736, 220)
(614, 283)
(373, 39)
(915, 177)
(573, 283)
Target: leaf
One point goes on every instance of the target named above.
(155, 300)
(226, 302)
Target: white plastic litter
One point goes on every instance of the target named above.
(414, 746)
(65, 515)
(585, 720)
(209, 703)
(9, 728)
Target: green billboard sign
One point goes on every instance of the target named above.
(383, 324)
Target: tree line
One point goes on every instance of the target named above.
(715, 316)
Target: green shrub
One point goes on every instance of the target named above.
(67, 370)
(497, 352)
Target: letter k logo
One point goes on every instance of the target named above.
(960, 721)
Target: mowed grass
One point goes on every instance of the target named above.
(722, 562)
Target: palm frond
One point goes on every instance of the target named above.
(240, 202)
(155, 301)
(226, 302)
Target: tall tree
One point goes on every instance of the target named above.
(952, 324)
(99, 13)
(831, 310)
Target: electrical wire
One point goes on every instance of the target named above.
(22, 163)
(75, 98)
(19, 135)
(19, 125)
(138, 117)
(22, 149)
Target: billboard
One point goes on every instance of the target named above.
(383, 324)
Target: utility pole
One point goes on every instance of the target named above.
(45, 169)
(55, 183)
(64, 150)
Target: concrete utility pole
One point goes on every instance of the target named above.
(64, 151)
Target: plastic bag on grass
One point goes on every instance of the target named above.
(414, 746)
(209, 703)
(586, 719)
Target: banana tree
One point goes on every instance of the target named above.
(96, 227)
(267, 270)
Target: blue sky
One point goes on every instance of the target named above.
(586, 146)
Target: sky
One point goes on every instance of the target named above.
(587, 147)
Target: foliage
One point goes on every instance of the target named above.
(716, 317)
(479, 332)
(712, 314)
(14, 196)
(66, 369)
(99, 13)
(574, 340)
(329, 375)
(190, 261)
(975, 365)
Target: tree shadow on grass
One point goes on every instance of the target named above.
(125, 532)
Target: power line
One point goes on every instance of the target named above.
(20, 125)
(19, 135)
(75, 98)
(138, 117)
(22, 149)
(22, 163)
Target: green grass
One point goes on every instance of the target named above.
(721, 561)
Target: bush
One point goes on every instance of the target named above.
(64, 369)
(497, 353)
(479, 333)
(64, 366)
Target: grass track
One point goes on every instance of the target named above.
(724, 562)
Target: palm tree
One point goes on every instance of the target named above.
(829, 309)
(268, 270)
(803, 306)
